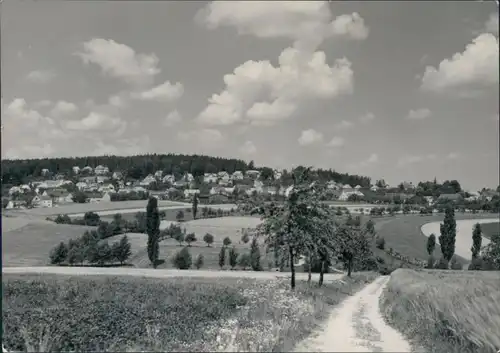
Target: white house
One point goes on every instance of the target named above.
(357, 187)
(42, 201)
(345, 194)
(76, 169)
(15, 189)
(45, 171)
(237, 175)
(107, 188)
(254, 174)
(15, 204)
(87, 169)
(191, 192)
(288, 190)
(374, 188)
(346, 187)
(210, 178)
(159, 174)
(148, 180)
(277, 175)
(81, 185)
(101, 170)
(107, 196)
(101, 179)
(332, 185)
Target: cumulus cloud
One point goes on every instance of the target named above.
(172, 118)
(371, 160)
(343, 125)
(43, 103)
(248, 148)
(120, 61)
(263, 94)
(310, 137)
(366, 118)
(336, 141)
(62, 108)
(162, 93)
(117, 101)
(41, 76)
(413, 159)
(95, 122)
(419, 114)
(476, 65)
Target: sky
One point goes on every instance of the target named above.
(405, 91)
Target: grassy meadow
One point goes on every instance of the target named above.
(87, 313)
(445, 311)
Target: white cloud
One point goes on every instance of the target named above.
(43, 103)
(371, 160)
(409, 159)
(172, 118)
(96, 121)
(248, 148)
(263, 94)
(63, 108)
(419, 114)
(304, 21)
(18, 112)
(336, 141)
(492, 23)
(162, 93)
(203, 137)
(120, 61)
(476, 65)
(343, 125)
(366, 118)
(453, 155)
(310, 137)
(117, 101)
(41, 76)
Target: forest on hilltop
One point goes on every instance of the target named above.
(139, 166)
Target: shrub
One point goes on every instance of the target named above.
(179, 237)
(58, 254)
(227, 241)
(198, 263)
(255, 255)
(244, 261)
(91, 219)
(190, 238)
(476, 264)
(431, 262)
(104, 254)
(208, 238)
(380, 243)
(63, 219)
(442, 264)
(455, 264)
(75, 255)
(121, 250)
(233, 257)
(180, 216)
(182, 259)
(245, 238)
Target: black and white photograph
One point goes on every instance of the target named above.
(250, 176)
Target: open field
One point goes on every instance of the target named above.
(30, 245)
(464, 234)
(446, 311)
(490, 229)
(181, 314)
(76, 208)
(403, 233)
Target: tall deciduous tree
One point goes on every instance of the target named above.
(195, 205)
(476, 241)
(353, 244)
(448, 230)
(153, 230)
(431, 244)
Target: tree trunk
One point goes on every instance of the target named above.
(309, 269)
(292, 268)
(349, 267)
(321, 273)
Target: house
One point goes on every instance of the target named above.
(225, 182)
(42, 201)
(81, 185)
(258, 185)
(408, 185)
(210, 178)
(88, 179)
(169, 178)
(217, 190)
(347, 187)
(357, 187)
(101, 179)
(76, 169)
(271, 190)
(254, 174)
(101, 170)
(188, 177)
(251, 191)
(344, 196)
(237, 175)
(87, 169)
(107, 188)
(14, 190)
(94, 197)
(148, 180)
(430, 200)
(332, 185)
(277, 175)
(180, 184)
(15, 204)
(450, 197)
(117, 175)
(160, 195)
(374, 188)
(107, 197)
(139, 189)
(50, 184)
(242, 188)
(45, 171)
(188, 193)
(159, 174)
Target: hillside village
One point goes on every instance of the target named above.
(100, 184)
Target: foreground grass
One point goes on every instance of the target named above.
(490, 229)
(85, 313)
(446, 311)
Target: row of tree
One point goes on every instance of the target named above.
(483, 257)
(90, 249)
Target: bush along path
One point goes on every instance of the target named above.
(357, 326)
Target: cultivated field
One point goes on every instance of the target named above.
(178, 314)
(446, 311)
(464, 234)
(30, 245)
(403, 233)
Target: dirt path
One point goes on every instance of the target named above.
(158, 273)
(357, 326)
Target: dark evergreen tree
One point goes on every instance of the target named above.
(153, 230)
